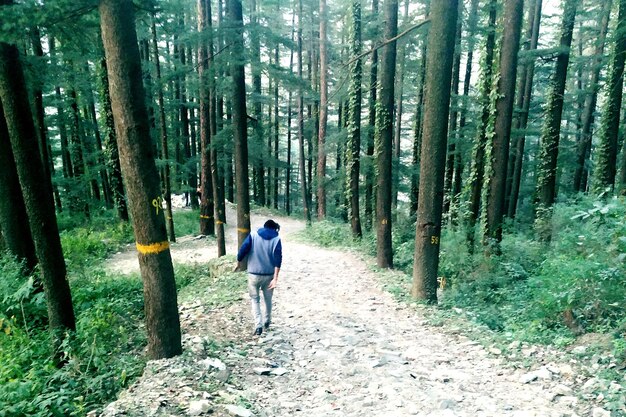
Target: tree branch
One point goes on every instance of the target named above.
(388, 41)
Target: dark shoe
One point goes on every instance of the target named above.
(267, 325)
(258, 331)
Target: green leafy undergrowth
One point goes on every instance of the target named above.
(101, 357)
(107, 351)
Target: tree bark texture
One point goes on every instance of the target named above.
(432, 168)
(37, 195)
(548, 154)
(353, 144)
(13, 218)
(513, 12)
(583, 148)
(321, 139)
(417, 127)
(112, 159)
(478, 158)
(141, 177)
(302, 157)
(369, 151)
(207, 204)
(451, 156)
(606, 162)
(384, 138)
(239, 122)
(521, 122)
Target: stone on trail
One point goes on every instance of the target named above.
(529, 377)
(278, 371)
(214, 363)
(238, 411)
(495, 351)
(600, 412)
(262, 371)
(199, 407)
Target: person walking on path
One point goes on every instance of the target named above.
(265, 255)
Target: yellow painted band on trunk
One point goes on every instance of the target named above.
(219, 222)
(202, 216)
(153, 248)
(242, 230)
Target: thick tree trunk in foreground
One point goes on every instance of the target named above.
(13, 217)
(504, 113)
(141, 177)
(384, 138)
(432, 167)
(37, 195)
(353, 144)
(239, 122)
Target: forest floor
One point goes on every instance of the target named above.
(340, 345)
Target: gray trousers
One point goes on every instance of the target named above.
(256, 285)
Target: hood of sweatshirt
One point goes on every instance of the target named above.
(267, 234)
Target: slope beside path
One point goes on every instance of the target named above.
(338, 346)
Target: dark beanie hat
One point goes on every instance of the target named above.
(271, 224)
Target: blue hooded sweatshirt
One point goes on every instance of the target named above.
(264, 251)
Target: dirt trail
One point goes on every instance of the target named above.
(339, 346)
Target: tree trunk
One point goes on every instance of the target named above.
(353, 144)
(40, 115)
(478, 160)
(207, 204)
(104, 176)
(276, 127)
(521, 121)
(217, 187)
(37, 195)
(302, 158)
(13, 218)
(452, 150)
(417, 127)
(369, 169)
(397, 134)
(110, 145)
(432, 167)
(513, 12)
(321, 141)
(606, 163)
(240, 122)
(76, 154)
(257, 125)
(68, 170)
(548, 154)
(141, 177)
(163, 128)
(384, 137)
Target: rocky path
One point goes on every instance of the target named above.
(339, 346)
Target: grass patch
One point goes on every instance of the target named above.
(107, 351)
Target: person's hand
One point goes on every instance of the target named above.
(273, 284)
